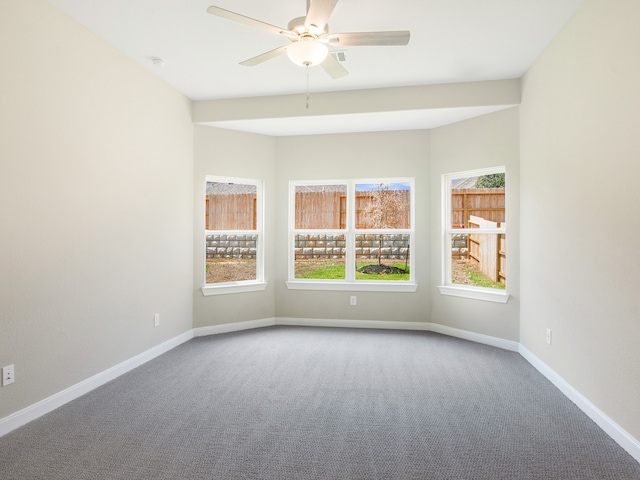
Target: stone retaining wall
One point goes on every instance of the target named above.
(313, 246)
(459, 245)
(308, 247)
(231, 246)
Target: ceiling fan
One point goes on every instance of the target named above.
(310, 36)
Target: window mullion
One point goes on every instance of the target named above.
(350, 259)
(453, 231)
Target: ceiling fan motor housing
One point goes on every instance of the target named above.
(298, 25)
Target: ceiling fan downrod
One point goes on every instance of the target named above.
(308, 94)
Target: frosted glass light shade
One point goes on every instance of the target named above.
(307, 52)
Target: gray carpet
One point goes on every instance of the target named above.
(319, 403)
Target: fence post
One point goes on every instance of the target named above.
(465, 206)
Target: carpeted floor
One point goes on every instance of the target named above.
(320, 403)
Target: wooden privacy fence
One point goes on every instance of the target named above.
(487, 203)
(314, 210)
(488, 249)
(328, 210)
(230, 212)
(320, 210)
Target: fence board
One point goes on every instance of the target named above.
(488, 203)
(502, 258)
(488, 249)
(313, 210)
(328, 210)
(318, 210)
(231, 212)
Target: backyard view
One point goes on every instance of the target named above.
(478, 259)
(379, 234)
(231, 232)
(335, 270)
(379, 241)
(465, 271)
(220, 270)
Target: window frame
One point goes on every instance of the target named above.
(350, 232)
(259, 283)
(466, 291)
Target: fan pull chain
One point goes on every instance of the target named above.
(308, 95)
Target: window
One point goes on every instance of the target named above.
(474, 235)
(233, 235)
(352, 235)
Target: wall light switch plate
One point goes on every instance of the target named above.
(156, 320)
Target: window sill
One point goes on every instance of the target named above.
(486, 294)
(233, 287)
(354, 286)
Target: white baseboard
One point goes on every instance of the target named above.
(475, 337)
(321, 322)
(30, 413)
(233, 327)
(421, 326)
(611, 428)
(342, 323)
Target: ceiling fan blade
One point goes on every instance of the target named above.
(400, 37)
(250, 22)
(318, 15)
(276, 52)
(333, 67)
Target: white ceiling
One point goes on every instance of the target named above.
(451, 41)
(356, 122)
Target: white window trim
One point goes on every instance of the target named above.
(349, 284)
(259, 284)
(464, 291)
(476, 293)
(346, 286)
(233, 287)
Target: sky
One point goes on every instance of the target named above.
(367, 187)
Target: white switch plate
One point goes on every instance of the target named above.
(8, 376)
(549, 336)
(156, 320)
(353, 300)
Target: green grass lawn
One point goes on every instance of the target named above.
(337, 272)
(480, 280)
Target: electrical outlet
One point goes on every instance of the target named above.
(156, 320)
(549, 336)
(353, 300)
(8, 376)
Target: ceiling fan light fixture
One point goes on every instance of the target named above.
(307, 52)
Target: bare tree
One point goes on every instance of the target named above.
(385, 208)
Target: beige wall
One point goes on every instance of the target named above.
(581, 207)
(233, 154)
(363, 155)
(486, 141)
(95, 205)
